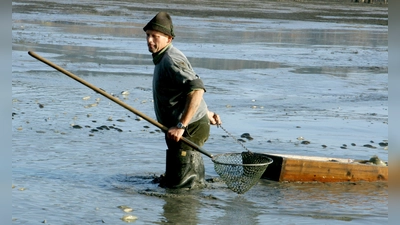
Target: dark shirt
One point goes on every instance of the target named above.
(174, 78)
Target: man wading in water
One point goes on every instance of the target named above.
(179, 105)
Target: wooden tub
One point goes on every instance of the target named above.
(294, 168)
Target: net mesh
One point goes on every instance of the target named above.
(241, 171)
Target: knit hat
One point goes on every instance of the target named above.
(162, 22)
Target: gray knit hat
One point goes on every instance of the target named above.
(162, 22)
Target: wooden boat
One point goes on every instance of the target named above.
(294, 168)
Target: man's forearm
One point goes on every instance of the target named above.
(192, 104)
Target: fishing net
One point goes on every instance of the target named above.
(241, 171)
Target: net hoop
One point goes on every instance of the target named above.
(237, 164)
(216, 159)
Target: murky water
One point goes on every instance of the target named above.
(270, 70)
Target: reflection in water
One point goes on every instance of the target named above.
(232, 64)
(181, 210)
(239, 211)
(339, 71)
(347, 201)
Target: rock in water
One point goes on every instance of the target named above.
(247, 136)
(125, 208)
(377, 161)
(369, 146)
(90, 105)
(383, 144)
(374, 160)
(125, 92)
(129, 218)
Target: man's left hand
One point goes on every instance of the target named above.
(214, 118)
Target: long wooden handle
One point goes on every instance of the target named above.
(116, 100)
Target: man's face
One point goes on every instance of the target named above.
(157, 40)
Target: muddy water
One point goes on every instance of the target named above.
(277, 70)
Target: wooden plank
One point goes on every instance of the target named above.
(294, 168)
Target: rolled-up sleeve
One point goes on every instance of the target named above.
(195, 85)
(185, 75)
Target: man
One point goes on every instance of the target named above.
(179, 105)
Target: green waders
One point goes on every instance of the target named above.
(184, 165)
